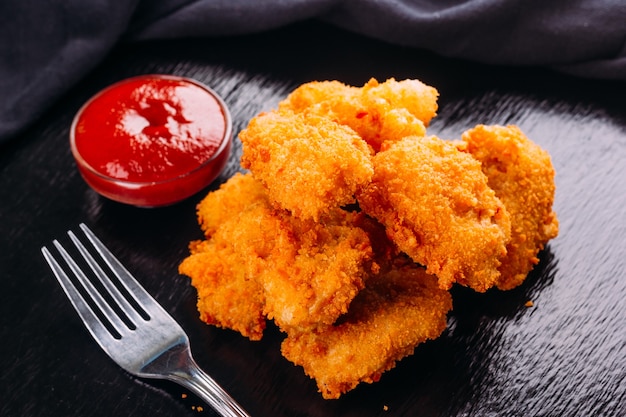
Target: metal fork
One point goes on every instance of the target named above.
(132, 328)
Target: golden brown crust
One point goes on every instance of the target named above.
(522, 176)
(308, 164)
(417, 98)
(216, 273)
(378, 112)
(437, 207)
(315, 92)
(307, 272)
(345, 285)
(393, 314)
(314, 270)
(233, 196)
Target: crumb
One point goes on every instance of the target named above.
(385, 408)
(529, 303)
(200, 409)
(183, 396)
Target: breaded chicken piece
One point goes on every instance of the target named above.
(377, 112)
(315, 269)
(308, 272)
(223, 269)
(222, 281)
(233, 196)
(385, 251)
(315, 92)
(309, 164)
(437, 207)
(522, 175)
(418, 98)
(386, 321)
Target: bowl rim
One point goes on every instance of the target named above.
(226, 139)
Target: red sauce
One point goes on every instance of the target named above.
(146, 130)
(150, 129)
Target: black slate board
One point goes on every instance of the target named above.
(565, 356)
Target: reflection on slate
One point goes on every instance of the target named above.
(564, 355)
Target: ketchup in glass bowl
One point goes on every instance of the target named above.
(152, 140)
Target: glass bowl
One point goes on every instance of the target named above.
(147, 140)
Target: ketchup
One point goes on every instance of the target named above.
(148, 130)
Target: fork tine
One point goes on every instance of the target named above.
(113, 291)
(156, 347)
(113, 318)
(135, 290)
(84, 310)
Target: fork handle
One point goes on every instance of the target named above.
(196, 380)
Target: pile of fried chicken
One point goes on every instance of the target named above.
(351, 224)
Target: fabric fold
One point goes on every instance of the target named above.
(47, 46)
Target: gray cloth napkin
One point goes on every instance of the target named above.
(46, 46)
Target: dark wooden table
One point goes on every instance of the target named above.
(565, 356)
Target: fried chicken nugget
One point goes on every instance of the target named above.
(223, 269)
(233, 196)
(307, 272)
(315, 92)
(522, 175)
(437, 207)
(222, 281)
(309, 164)
(236, 218)
(315, 270)
(418, 98)
(386, 321)
(377, 112)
